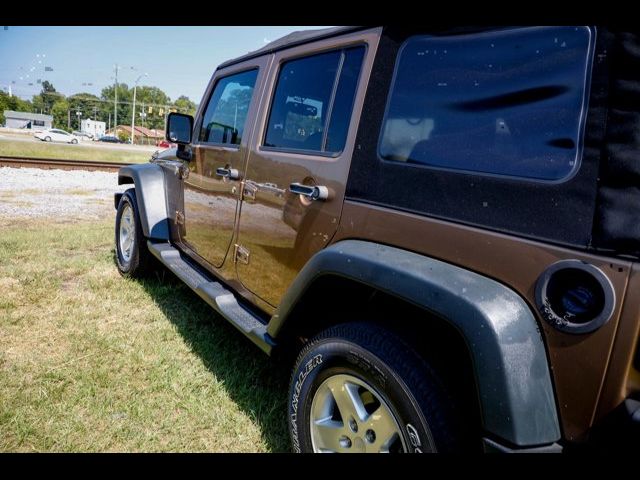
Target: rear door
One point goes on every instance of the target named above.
(212, 185)
(59, 136)
(307, 123)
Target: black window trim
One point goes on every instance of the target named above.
(302, 151)
(231, 146)
(318, 153)
(581, 130)
(332, 99)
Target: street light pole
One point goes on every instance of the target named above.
(133, 113)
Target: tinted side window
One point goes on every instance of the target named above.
(345, 94)
(311, 93)
(509, 102)
(226, 113)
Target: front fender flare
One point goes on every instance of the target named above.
(502, 335)
(148, 179)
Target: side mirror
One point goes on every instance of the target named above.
(179, 128)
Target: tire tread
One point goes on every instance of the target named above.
(417, 375)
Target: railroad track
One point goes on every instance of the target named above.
(48, 163)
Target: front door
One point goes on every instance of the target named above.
(212, 184)
(306, 138)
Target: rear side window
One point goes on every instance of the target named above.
(313, 100)
(510, 102)
(226, 113)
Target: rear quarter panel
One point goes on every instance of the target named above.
(578, 362)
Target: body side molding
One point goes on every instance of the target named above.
(501, 333)
(151, 196)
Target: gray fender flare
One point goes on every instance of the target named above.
(502, 335)
(148, 179)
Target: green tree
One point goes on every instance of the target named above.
(13, 103)
(124, 109)
(60, 110)
(43, 102)
(184, 105)
(87, 104)
(154, 99)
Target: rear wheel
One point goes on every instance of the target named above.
(74, 141)
(132, 255)
(358, 387)
(47, 139)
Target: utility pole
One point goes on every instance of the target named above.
(133, 114)
(115, 103)
(68, 119)
(109, 122)
(235, 117)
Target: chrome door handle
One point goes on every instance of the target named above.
(230, 173)
(314, 192)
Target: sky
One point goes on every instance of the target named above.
(178, 60)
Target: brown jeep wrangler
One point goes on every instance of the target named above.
(443, 225)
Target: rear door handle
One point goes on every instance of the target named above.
(230, 173)
(313, 192)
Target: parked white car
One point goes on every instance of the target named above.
(56, 135)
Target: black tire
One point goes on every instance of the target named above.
(139, 262)
(47, 139)
(420, 403)
(74, 141)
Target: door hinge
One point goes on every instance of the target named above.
(241, 254)
(179, 218)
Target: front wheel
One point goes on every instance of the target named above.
(47, 139)
(358, 387)
(74, 141)
(132, 255)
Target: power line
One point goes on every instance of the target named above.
(121, 102)
(35, 91)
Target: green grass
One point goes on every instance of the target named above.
(33, 149)
(90, 361)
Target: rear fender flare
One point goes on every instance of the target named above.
(508, 355)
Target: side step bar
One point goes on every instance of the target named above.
(221, 299)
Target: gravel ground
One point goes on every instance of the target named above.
(67, 195)
(56, 194)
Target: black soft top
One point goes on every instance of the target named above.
(294, 38)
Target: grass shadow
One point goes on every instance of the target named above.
(254, 381)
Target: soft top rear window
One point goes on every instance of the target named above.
(509, 102)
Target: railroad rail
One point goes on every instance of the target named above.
(49, 163)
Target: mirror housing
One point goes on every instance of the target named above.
(179, 128)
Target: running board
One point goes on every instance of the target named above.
(221, 299)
